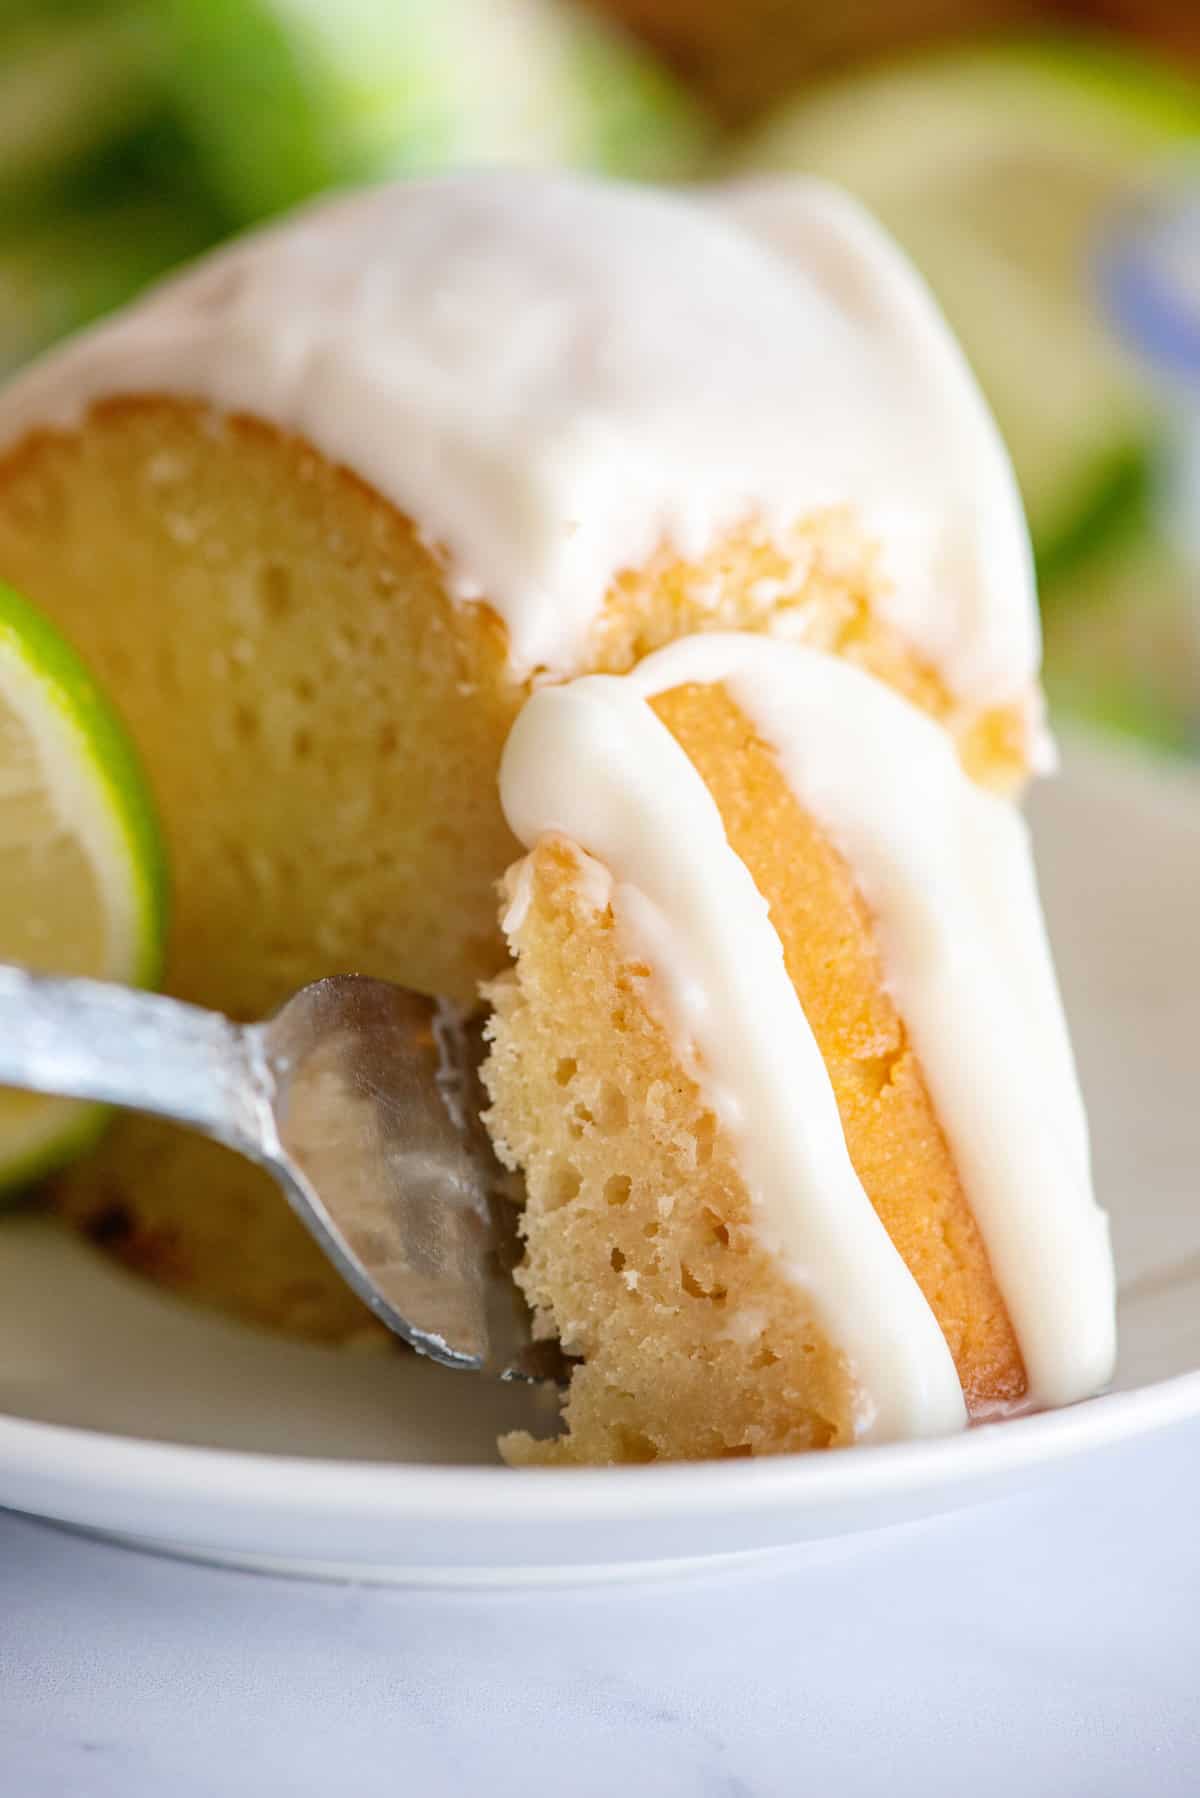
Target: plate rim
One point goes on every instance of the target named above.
(230, 1480)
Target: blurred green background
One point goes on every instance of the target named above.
(1002, 141)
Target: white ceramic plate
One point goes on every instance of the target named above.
(125, 1413)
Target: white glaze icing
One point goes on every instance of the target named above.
(947, 871)
(554, 376)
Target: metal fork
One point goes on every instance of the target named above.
(361, 1098)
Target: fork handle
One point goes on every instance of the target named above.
(86, 1039)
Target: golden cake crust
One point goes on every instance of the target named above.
(829, 941)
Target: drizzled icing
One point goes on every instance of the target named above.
(555, 376)
(947, 871)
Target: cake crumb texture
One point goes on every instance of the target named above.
(641, 1254)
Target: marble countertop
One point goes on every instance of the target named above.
(1049, 1644)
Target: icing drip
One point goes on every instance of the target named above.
(554, 377)
(947, 871)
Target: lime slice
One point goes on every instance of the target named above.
(997, 169)
(82, 876)
(287, 97)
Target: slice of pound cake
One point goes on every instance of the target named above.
(333, 512)
(784, 1068)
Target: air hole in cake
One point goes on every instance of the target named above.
(612, 1112)
(245, 723)
(581, 1117)
(275, 590)
(617, 1189)
(564, 1184)
(636, 1447)
(566, 1070)
(617, 1261)
(696, 1288)
(717, 1228)
(875, 1073)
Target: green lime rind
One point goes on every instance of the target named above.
(30, 642)
(907, 135)
(32, 650)
(72, 1131)
(284, 101)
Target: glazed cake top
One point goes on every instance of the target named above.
(556, 376)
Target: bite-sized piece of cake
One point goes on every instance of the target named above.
(783, 1066)
(323, 512)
